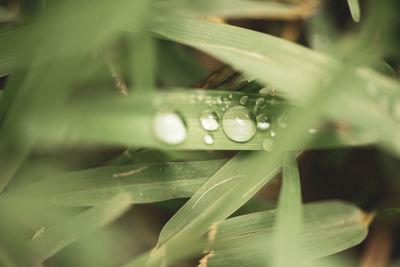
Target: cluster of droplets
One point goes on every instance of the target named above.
(238, 123)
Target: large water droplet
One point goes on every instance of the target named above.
(243, 100)
(209, 139)
(169, 127)
(209, 120)
(239, 124)
(263, 122)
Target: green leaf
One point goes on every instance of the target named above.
(143, 182)
(329, 227)
(228, 189)
(289, 218)
(59, 236)
(232, 9)
(354, 7)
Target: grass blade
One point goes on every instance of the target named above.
(354, 7)
(144, 183)
(329, 227)
(60, 236)
(289, 218)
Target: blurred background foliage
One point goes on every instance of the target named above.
(89, 178)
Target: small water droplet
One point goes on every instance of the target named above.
(200, 97)
(219, 100)
(272, 133)
(209, 120)
(265, 90)
(169, 127)
(268, 144)
(230, 95)
(260, 102)
(243, 100)
(263, 122)
(239, 124)
(209, 139)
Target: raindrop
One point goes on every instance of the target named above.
(268, 144)
(273, 134)
(260, 102)
(263, 122)
(209, 120)
(230, 95)
(209, 139)
(239, 124)
(243, 100)
(169, 127)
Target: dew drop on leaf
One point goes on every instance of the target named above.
(239, 124)
(209, 139)
(263, 122)
(268, 144)
(209, 120)
(243, 100)
(169, 127)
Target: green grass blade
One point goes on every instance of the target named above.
(289, 218)
(329, 227)
(143, 182)
(228, 9)
(354, 7)
(59, 236)
(219, 197)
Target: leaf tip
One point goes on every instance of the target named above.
(203, 261)
(366, 218)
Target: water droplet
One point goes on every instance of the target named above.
(268, 144)
(265, 90)
(169, 127)
(243, 100)
(263, 122)
(260, 102)
(209, 139)
(272, 133)
(230, 95)
(219, 100)
(209, 120)
(239, 124)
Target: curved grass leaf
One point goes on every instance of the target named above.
(144, 183)
(329, 227)
(59, 236)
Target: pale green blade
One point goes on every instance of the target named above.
(329, 227)
(59, 236)
(144, 183)
(354, 7)
(289, 218)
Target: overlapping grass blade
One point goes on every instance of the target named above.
(329, 227)
(148, 182)
(289, 217)
(220, 196)
(59, 236)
